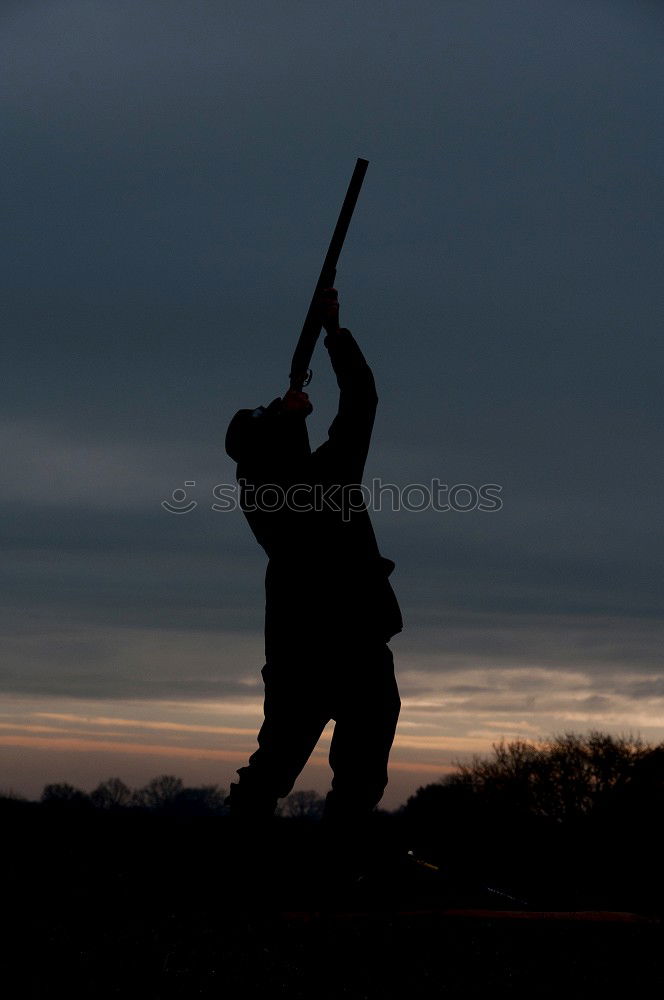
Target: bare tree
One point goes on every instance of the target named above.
(304, 805)
(159, 793)
(111, 794)
(558, 778)
(64, 794)
(206, 800)
(9, 795)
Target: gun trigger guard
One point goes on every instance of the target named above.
(309, 377)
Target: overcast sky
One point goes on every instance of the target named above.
(172, 175)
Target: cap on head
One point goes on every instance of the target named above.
(246, 432)
(272, 435)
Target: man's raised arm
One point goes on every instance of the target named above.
(345, 451)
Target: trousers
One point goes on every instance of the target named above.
(353, 684)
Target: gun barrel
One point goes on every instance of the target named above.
(312, 325)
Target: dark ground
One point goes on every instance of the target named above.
(136, 904)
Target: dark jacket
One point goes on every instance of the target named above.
(325, 575)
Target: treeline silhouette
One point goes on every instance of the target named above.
(153, 886)
(573, 820)
(560, 780)
(164, 794)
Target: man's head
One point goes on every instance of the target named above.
(272, 436)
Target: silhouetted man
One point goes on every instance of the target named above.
(330, 609)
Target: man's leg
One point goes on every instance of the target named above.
(366, 711)
(295, 717)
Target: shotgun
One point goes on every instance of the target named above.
(300, 373)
